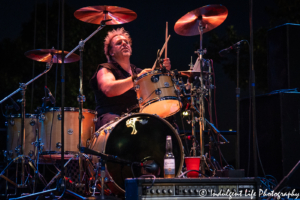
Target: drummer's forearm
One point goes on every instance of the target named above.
(117, 87)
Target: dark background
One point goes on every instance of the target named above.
(148, 33)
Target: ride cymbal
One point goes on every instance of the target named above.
(211, 16)
(95, 14)
(45, 55)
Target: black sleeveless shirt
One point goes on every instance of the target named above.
(118, 104)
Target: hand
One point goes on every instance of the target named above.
(144, 71)
(167, 63)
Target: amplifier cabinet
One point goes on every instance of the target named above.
(191, 188)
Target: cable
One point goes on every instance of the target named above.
(131, 167)
(260, 159)
(215, 91)
(152, 176)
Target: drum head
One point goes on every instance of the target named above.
(139, 136)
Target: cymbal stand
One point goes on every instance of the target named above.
(22, 89)
(81, 97)
(200, 53)
(193, 120)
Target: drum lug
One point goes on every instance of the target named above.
(70, 131)
(106, 131)
(59, 116)
(166, 84)
(158, 91)
(58, 145)
(95, 120)
(30, 154)
(155, 78)
(42, 118)
(12, 122)
(137, 87)
(18, 150)
(140, 100)
(32, 122)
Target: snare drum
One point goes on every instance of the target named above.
(156, 94)
(14, 134)
(134, 138)
(51, 129)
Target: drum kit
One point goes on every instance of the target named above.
(139, 137)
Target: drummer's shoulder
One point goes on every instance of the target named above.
(137, 70)
(109, 66)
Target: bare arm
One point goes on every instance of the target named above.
(111, 87)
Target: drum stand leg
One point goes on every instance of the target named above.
(58, 174)
(23, 185)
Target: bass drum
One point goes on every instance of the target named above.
(134, 138)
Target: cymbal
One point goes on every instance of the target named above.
(210, 15)
(190, 73)
(95, 14)
(45, 55)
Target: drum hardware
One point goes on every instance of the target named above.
(80, 46)
(102, 163)
(22, 89)
(155, 78)
(237, 47)
(197, 22)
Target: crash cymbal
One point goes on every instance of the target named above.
(190, 73)
(45, 55)
(210, 15)
(95, 14)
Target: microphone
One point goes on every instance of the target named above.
(227, 50)
(150, 167)
(51, 97)
(16, 106)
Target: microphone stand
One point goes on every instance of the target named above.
(81, 97)
(103, 159)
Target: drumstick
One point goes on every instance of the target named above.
(161, 51)
(166, 50)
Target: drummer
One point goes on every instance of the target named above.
(113, 81)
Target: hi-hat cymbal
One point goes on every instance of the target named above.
(95, 14)
(45, 55)
(211, 16)
(190, 73)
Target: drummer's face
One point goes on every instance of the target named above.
(120, 47)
